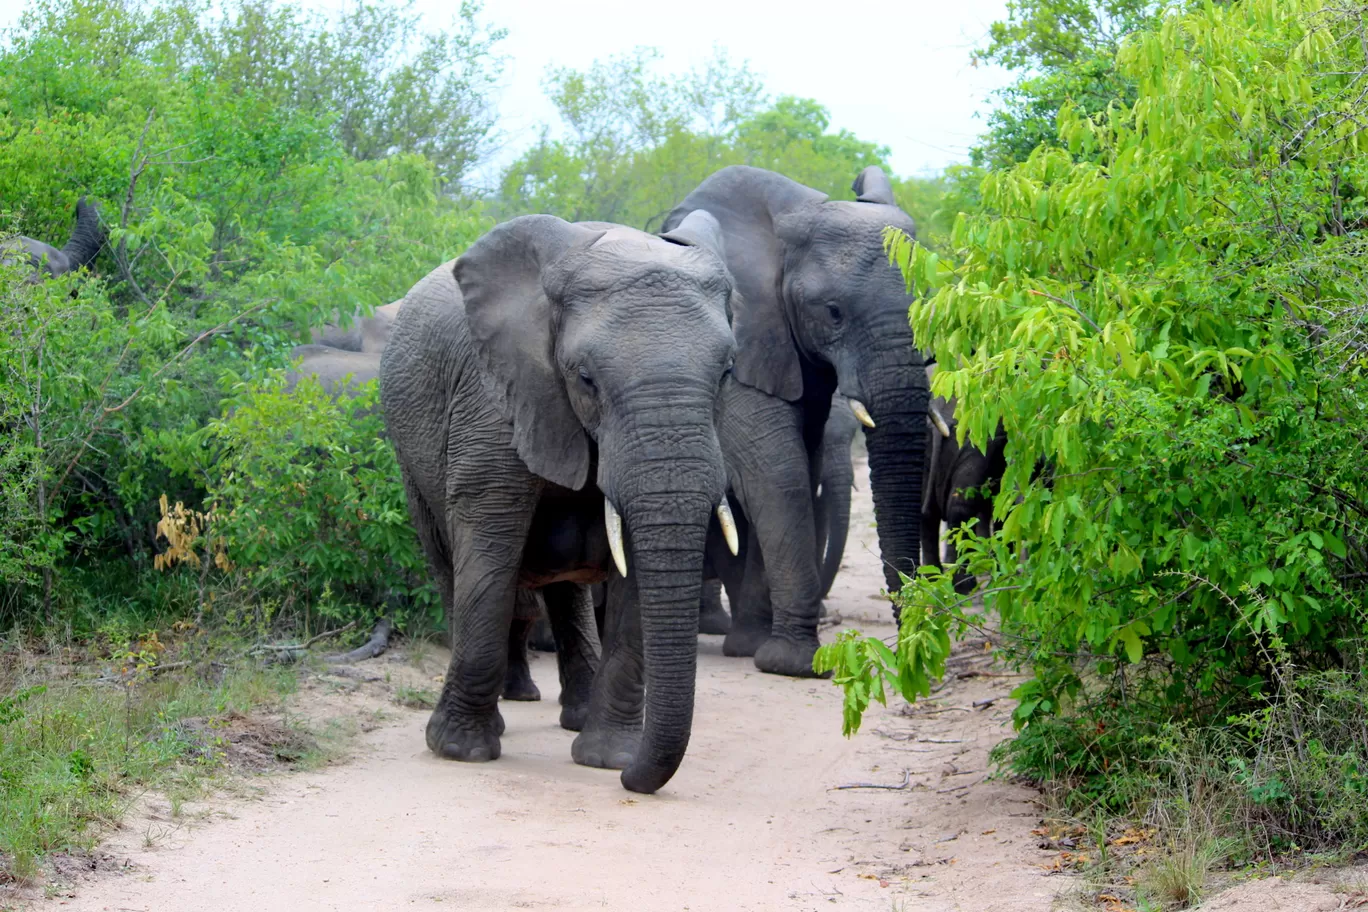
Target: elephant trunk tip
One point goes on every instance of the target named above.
(647, 778)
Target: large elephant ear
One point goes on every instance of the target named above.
(700, 228)
(872, 186)
(746, 203)
(512, 322)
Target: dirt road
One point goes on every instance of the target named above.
(750, 822)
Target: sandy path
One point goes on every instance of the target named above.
(750, 822)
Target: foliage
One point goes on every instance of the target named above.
(239, 210)
(73, 755)
(1066, 52)
(309, 500)
(638, 142)
(1165, 315)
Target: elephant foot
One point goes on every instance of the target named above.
(717, 623)
(573, 716)
(606, 748)
(788, 657)
(744, 641)
(965, 583)
(518, 684)
(463, 739)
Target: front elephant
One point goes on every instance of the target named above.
(551, 397)
(820, 311)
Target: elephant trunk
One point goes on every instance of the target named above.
(667, 531)
(668, 480)
(88, 237)
(894, 381)
(836, 519)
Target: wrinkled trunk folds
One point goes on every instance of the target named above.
(894, 383)
(668, 479)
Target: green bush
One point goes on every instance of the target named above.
(246, 199)
(1164, 312)
(310, 508)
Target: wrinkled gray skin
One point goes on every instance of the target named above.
(345, 358)
(77, 253)
(820, 311)
(831, 507)
(551, 367)
(961, 482)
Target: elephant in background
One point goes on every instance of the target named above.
(961, 482)
(366, 334)
(337, 370)
(552, 398)
(820, 311)
(77, 253)
(831, 513)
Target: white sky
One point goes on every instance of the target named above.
(896, 73)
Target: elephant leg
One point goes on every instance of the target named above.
(612, 732)
(752, 614)
(518, 683)
(570, 607)
(712, 617)
(762, 437)
(931, 538)
(432, 536)
(542, 639)
(488, 521)
(962, 511)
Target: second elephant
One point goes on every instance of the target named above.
(961, 482)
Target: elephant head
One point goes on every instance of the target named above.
(822, 311)
(605, 347)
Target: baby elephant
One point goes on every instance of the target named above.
(551, 397)
(959, 486)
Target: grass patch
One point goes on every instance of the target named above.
(83, 736)
(1280, 786)
(415, 697)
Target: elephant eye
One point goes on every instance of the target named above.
(834, 312)
(587, 380)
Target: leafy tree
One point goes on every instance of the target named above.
(640, 142)
(238, 215)
(1065, 51)
(1163, 308)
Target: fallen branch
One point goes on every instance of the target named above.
(907, 780)
(376, 645)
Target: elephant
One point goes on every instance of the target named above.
(333, 366)
(831, 513)
(831, 507)
(77, 253)
(366, 334)
(820, 310)
(961, 482)
(552, 395)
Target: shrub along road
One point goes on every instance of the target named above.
(751, 821)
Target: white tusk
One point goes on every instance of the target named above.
(614, 523)
(934, 417)
(724, 516)
(861, 412)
